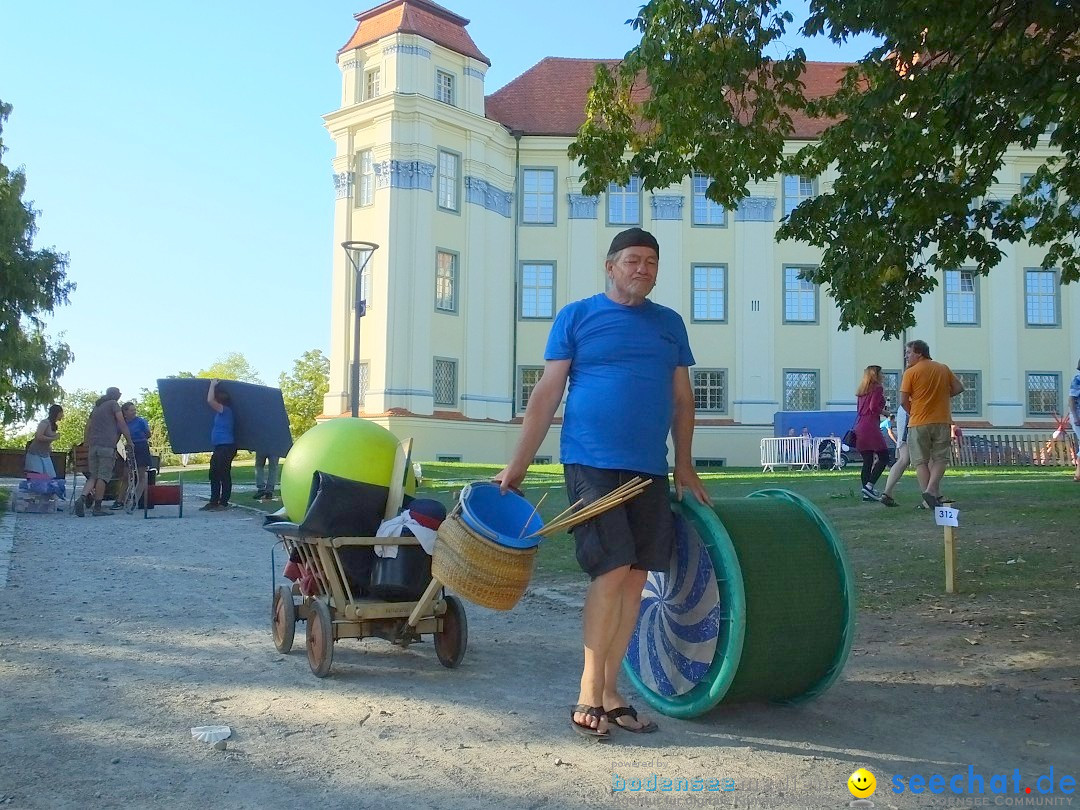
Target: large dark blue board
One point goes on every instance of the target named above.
(261, 421)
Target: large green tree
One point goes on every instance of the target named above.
(303, 390)
(149, 408)
(32, 284)
(916, 132)
(232, 366)
(78, 405)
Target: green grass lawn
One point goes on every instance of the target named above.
(1016, 541)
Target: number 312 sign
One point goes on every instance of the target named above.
(946, 516)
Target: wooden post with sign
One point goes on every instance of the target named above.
(946, 517)
(950, 560)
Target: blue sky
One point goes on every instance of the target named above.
(176, 153)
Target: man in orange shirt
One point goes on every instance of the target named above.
(925, 393)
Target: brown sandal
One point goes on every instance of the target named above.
(613, 716)
(585, 730)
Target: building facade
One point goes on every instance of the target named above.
(484, 234)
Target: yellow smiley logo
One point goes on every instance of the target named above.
(862, 784)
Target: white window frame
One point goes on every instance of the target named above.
(708, 288)
(446, 280)
(1056, 406)
(446, 365)
(972, 394)
(706, 390)
(704, 212)
(526, 384)
(444, 86)
(797, 188)
(1035, 301)
(620, 201)
(372, 83)
(537, 201)
(797, 293)
(365, 178)
(891, 379)
(1043, 193)
(365, 380)
(449, 181)
(961, 300)
(815, 375)
(537, 290)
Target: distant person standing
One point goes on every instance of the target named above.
(925, 393)
(266, 475)
(38, 452)
(105, 425)
(1074, 414)
(223, 438)
(140, 441)
(868, 439)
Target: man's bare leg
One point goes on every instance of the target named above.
(935, 472)
(601, 623)
(629, 608)
(923, 473)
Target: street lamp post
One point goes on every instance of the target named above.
(359, 254)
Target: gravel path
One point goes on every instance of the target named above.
(119, 634)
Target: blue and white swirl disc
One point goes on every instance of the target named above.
(679, 622)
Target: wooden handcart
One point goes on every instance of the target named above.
(334, 612)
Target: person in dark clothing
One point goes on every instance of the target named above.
(223, 438)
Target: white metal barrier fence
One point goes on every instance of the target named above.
(796, 451)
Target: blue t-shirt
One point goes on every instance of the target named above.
(1074, 390)
(222, 431)
(139, 429)
(886, 423)
(620, 402)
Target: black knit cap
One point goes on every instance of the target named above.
(634, 237)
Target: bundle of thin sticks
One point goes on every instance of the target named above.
(564, 521)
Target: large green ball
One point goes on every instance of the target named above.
(350, 448)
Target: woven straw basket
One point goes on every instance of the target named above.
(486, 573)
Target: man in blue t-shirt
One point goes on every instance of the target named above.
(627, 362)
(222, 437)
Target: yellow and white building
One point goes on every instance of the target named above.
(484, 234)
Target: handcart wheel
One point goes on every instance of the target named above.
(320, 639)
(451, 642)
(283, 619)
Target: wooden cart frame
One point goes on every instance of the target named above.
(334, 612)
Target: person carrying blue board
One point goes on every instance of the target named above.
(627, 361)
(223, 438)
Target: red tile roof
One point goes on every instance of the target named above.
(422, 17)
(549, 98)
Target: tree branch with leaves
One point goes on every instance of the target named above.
(915, 133)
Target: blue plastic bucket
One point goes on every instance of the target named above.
(507, 519)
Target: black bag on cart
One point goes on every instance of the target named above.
(339, 507)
